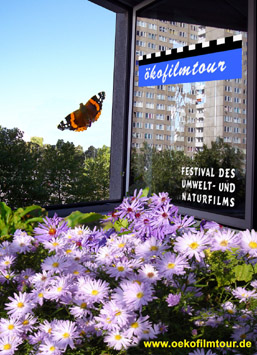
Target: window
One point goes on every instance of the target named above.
(201, 115)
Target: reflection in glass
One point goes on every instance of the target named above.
(190, 139)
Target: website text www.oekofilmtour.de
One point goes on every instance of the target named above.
(199, 343)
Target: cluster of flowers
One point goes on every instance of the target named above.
(108, 281)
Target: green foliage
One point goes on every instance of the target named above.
(22, 218)
(34, 173)
(78, 218)
(97, 174)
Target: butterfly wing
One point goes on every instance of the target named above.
(82, 118)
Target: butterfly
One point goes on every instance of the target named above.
(82, 118)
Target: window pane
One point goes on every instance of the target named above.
(55, 57)
(192, 138)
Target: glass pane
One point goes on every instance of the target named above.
(53, 58)
(190, 139)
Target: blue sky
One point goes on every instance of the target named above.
(55, 54)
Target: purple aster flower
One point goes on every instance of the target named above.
(58, 288)
(229, 307)
(137, 295)
(121, 269)
(9, 344)
(11, 326)
(49, 347)
(138, 196)
(173, 300)
(19, 305)
(163, 216)
(142, 226)
(65, 333)
(55, 263)
(117, 340)
(113, 316)
(171, 264)
(6, 261)
(241, 333)
(22, 242)
(181, 225)
(243, 295)
(93, 290)
(80, 309)
(138, 326)
(159, 200)
(248, 242)
(224, 240)
(128, 209)
(205, 225)
(151, 247)
(192, 245)
(51, 228)
(148, 273)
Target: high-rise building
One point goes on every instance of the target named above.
(184, 117)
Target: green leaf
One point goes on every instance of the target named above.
(243, 272)
(6, 212)
(77, 218)
(145, 192)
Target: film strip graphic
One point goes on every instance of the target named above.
(208, 47)
(219, 59)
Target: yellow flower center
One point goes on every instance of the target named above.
(94, 292)
(52, 348)
(76, 272)
(243, 336)
(224, 243)
(171, 265)
(83, 305)
(118, 313)
(25, 322)
(150, 275)
(68, 251)
(51, 231)
(7, 346)
(134, 325)
(66, 335)
(49, 331)
(194, 245)
(55, 244)
(120, 268)
(59, 289)
(20, 305)
(7, 276)
(253, 245)
(118, 337)
(137, 281)
(140, 295)
(121, 245)
(154, 248)
(40, 295)
(55, 264)
(7, 262)
(10, 326)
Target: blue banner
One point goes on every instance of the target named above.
(214, 66)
